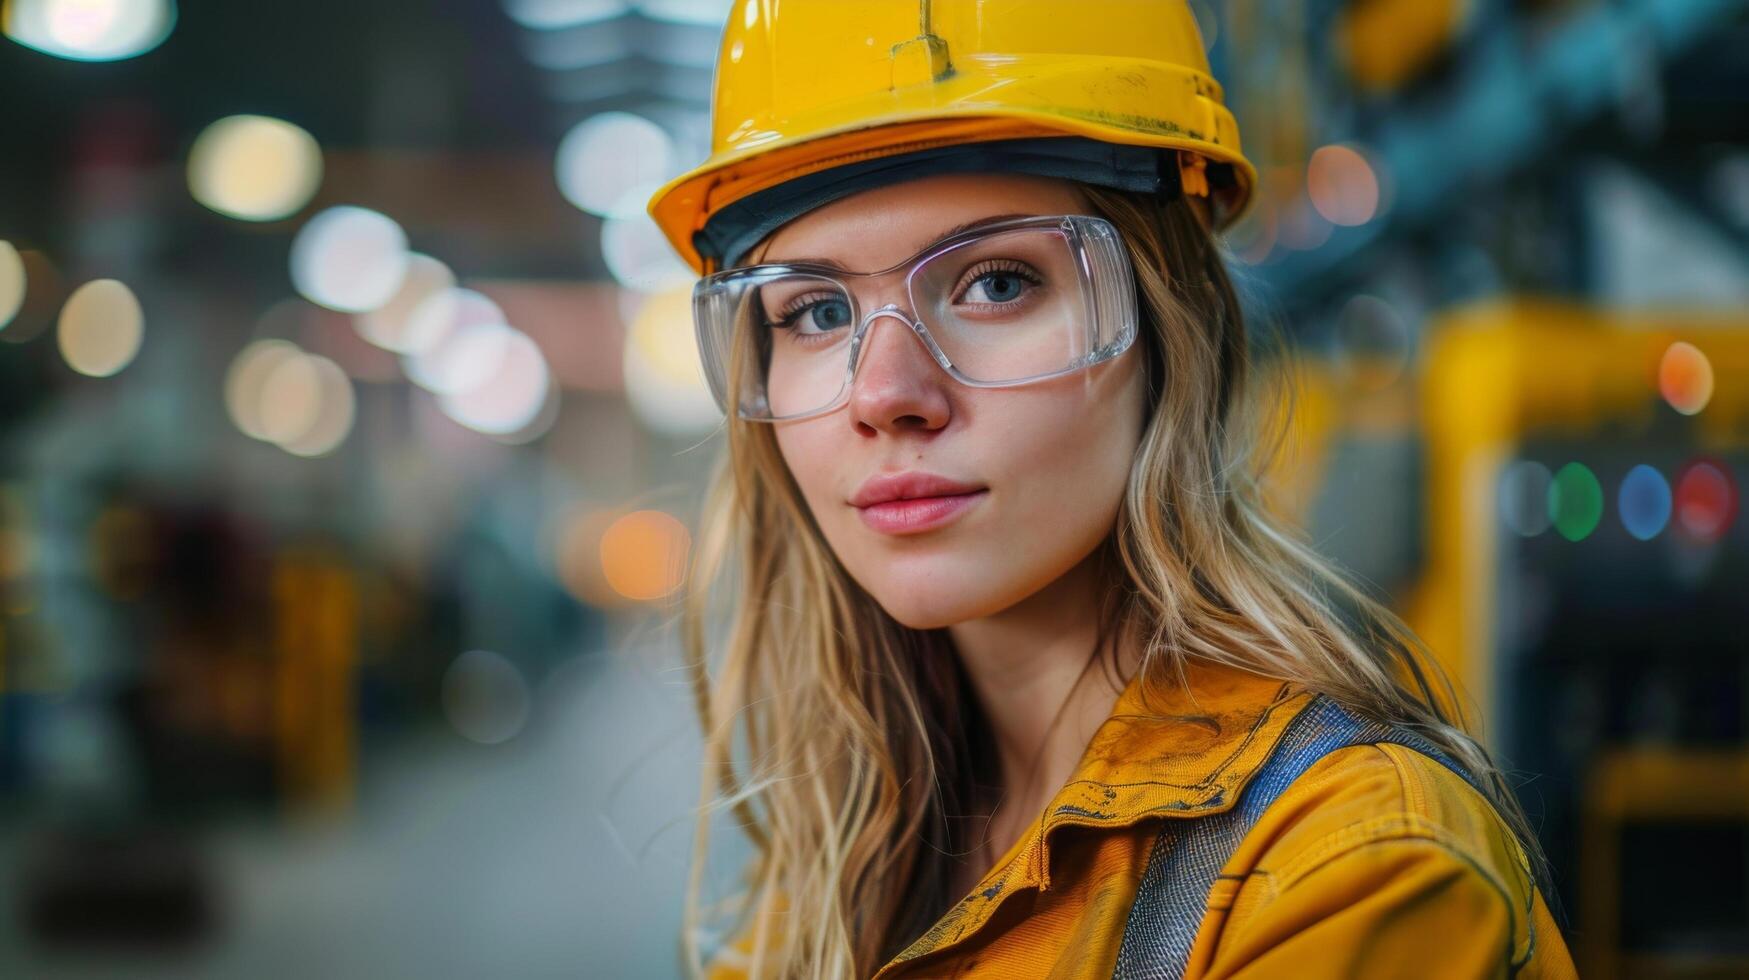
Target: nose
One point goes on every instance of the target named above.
(898, 386)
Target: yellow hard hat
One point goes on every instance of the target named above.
(814, 99)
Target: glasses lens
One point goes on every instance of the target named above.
(806, 325)
(780, 342)
(1008, 306)
(1004, 307)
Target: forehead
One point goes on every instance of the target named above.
(882, 226)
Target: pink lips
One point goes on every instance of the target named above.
(910, 503)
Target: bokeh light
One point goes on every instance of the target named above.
(485, 697)
(545, 417)
(254, 167)
(553, 15)
(664, 379)
(390, 326)
(640, 258)
(335, 408)
(89, 30)
(644, 554)
(610, 163)
(12, 283)
(291, 398)
(1706, 500)
(1524, 497)
(1644, 502)
(441, 315)
(349, 258)
(1575, 501)
(462, 361)
(246, 378)
(511, 399)
(101, 328)
(1685, 378)
(1342, 185)
(697, 13)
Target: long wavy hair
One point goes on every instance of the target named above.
(847, 745)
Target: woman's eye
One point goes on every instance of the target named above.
(998, 287)
(829, 314)
(819, 316)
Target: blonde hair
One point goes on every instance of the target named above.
(860, 743)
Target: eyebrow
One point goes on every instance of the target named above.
(956, 229)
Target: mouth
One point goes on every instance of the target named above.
(914, 515)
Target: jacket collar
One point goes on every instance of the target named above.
(1170, 748)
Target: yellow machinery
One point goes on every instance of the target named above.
(1504, 375)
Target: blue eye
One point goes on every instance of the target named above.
(827, 315)
(1005, 283)
(1001, 287)
(812, 316)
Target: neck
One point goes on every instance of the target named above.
(1043, 692)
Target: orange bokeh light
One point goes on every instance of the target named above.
(1342, 185)
(1685, 378)
(643, 554)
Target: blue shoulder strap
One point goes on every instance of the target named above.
(1189, 853)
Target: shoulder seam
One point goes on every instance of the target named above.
(1431, 837)
(1405, 828)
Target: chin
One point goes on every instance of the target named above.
(918, 606)
(922, 617)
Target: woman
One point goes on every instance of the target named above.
(1018, 678)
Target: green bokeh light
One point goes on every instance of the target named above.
(1575, 501)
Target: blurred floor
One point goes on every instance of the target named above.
(562, 853)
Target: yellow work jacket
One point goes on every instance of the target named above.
(1243, 827)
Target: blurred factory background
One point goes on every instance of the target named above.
(351, 433)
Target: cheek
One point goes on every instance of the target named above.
(1065, 462)
(811, 450)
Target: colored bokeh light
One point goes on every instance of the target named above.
(1342, 185)
(1644, 502)
(1706, 501)
(1685, 378)
(1575, 501)
(1524, 497)
(643, 554)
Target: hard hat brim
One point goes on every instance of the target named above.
(886, 125)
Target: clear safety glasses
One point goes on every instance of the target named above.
(1008, 303)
